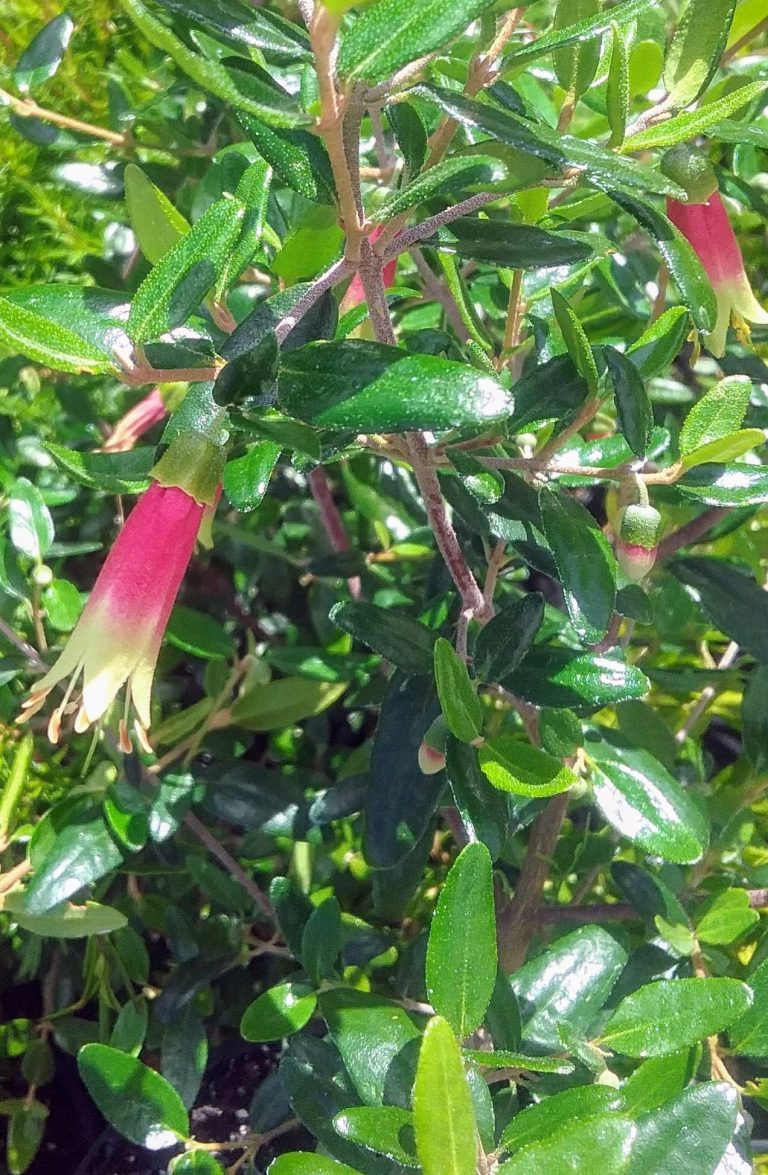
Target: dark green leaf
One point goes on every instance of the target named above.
(450, 177)
(394, 32)
(80, 853)
(371, 387)
(386, 1130)
(66, 921)
(576, 63)
(660, 342)
(549, 391)
(706, 1113)
(407, 643)
(113, 473)
(321, 941)
(633, 407)
(185, 1053)
(583, 30)
(517, 246)
(726, 485)
(195, 1163)
(733, 601)
(377, 1042)
(484, 813)
(749, 1034)
(199, 634)
(461, 968)
(42, 56)
(606, 1137)
(754, 718)
(279, 1012)
(245, 27)
(133, 1098)
(670, 1014)
(584, 561)
(558, 678)
(504, 641)
(296, 156)
(443, 1116)
(410, 133)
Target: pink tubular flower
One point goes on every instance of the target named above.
(355, 294)
(136, 422)
(707, 227)
(118, 636)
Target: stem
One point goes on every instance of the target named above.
(750, 35)
(23, 646)
(225, 858)
(588, 411)
(706, 696)
(337, 272)
(332, 521)
(514, 320)
(389, 246)
(435, 288)
(28, 108)
(692, 532)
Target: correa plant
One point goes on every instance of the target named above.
(407, 344)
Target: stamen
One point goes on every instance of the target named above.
(82, 721)
(141, 735)
(740, 325)
(31, 706)
(124, 739)
(54, 725)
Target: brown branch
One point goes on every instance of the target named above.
(225, 858)
(692, 532)
(332, 276)
(389, 248)
(28, 108)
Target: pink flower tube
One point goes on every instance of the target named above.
(709, 231)
(118, 636)
(136, 422)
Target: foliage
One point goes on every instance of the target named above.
(455, 797)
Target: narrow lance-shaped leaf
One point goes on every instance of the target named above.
(443, 1116)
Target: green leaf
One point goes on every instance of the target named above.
(195, 1163)
(443, 1116)
(523, 770)
(633, 408)
(706, 1113)
(26, 1130)
(659, 343)
(548, 391)
(679, 256)
(504, 641)
(155, 222)
(733, 601)
(199, 634)
(68, 921)
(584, 562)
(586, 29)
(28, 332)
(517, 246)
(113, 473)
(725, 485)
(29, 520)
(284, 702)
(42, 56)
(136, 1100)
(401, 639)
(377, 1042)
(617, 97)
(279, 1012)
(130, 1027)
(244, 27)
(736, 444)
(576, 341)
(538, 1122)
(246, 478)
(372, 387)
(749, 1033)
(719, 412)
(461, 967)
(669, 1014)
(658, 1080)
(558, 678)
(410, 133)
(449, 177)
(296, 156)
(385, 1130)
(601, 168)
(249, 89)
(504, 1059)
(63, 604)
(685, 127)
(606, 1138)
(576, 63)
(725, 917)
(393, 33)
(696, 48)
(567, 985)
(754, 719)
(80, 853)
(484, 812)
(184, 1052)
(460, 704)
(321, 940)
(643, 802)
(179, 282)
(309, 1163)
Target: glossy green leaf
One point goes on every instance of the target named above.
(633, 407)
(321, 940)
(246, 478)
(80, 853)
(505, 1059)
(584, 561)
(601, 168)
(461, 968)
(483, 811)
(284, 702)
(706, 1113)
(670, 1014)
(69, 921)
(567, 985)
(617, 97)
(517, 767)
(719, 412)
(371, 387)
(606, 1138)
(460, 704)
(733, 601)
(184, 275)
(394, 32)
(658, 1080)
(136, 1100)
(377, 1042)
(548, 391)
(29, 520)
(725, 917)
(517, 246)
(443, 1117)
(296, 156)
(130, 1027)
(112, 473)
(449, 177)
(583, 30)
(26, 1130)
(685, 127)
(279, 1012)
(645, 804)
(696, 48)
(309, 1163)
(411, 134)
(538, 1122)
(401, 639)
(155, 222)
(42, 56)
(726, 485)
(576, 64)
(503, 642)
(679, 256)
(195, 1163)
(242, 26)
(749, 1033)
(558, 678)
(28, 332)
(726, 449)
(184, 1053)
(660, 342)
(386, 1130)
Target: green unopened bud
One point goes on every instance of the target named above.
(639, 533)
(432, 750)
(193, 463)
(691, 170)
(42, 575)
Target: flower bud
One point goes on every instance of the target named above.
(637, 546)
(432, 750)
(691, 170)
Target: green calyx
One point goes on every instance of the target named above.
(640, 527)
(193, 463)
(691, 170)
